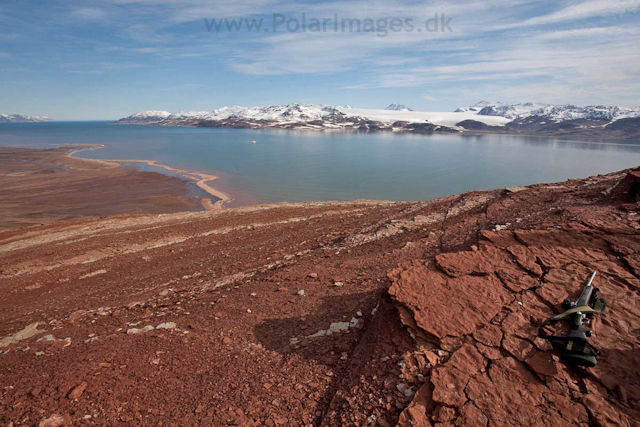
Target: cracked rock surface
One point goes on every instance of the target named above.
(482, 306)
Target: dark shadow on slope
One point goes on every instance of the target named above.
(277, 334)
(348, 354)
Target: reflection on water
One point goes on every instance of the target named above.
(308, 165)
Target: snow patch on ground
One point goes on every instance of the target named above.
(449, 119)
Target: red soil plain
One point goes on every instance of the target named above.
(360, 313)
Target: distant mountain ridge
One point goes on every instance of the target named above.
(483, 117)
(552, 112)
(279, 113)
(398, 107)
(22, 118)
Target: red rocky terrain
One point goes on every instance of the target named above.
(356, 313)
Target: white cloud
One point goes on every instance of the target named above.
(101, 67)
(89, 14)
(148, 50)
(585, 10)
(586, 33)
(581, 66)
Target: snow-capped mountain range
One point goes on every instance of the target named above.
(552, 112)
(302, 115)
(21, 118)
(488, 117)
(279, 113)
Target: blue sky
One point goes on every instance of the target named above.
(105, 59)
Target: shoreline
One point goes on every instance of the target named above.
(200, 179)
(446, 130)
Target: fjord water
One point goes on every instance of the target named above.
(308, 165)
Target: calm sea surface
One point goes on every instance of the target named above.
(296, 166)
